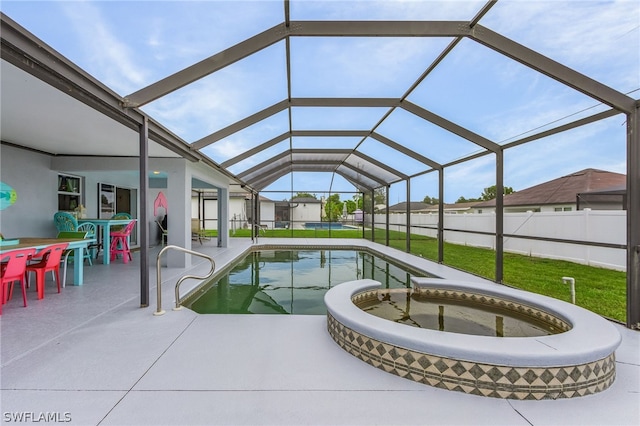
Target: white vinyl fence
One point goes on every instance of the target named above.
(544, 231)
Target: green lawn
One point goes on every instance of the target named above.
(600, 290)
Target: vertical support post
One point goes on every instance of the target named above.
(441, 215)
(373, 218)
(256, 212)
(363, 215)
(204, 212)
(223, 217)
(408, 221)
(253, 224)
(179, 221)
(499, 215)
(256, 208)
(633, 218)
(143, 222)
(387, 214)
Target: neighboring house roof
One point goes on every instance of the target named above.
(613, 190)
(417, 206)
(414, 206)
(454, 207)
(562, 190)
(614, 195)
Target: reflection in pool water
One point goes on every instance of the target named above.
(292, 281)
(455, 316)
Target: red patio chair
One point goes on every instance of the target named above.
(48, 260)
(120, 242)
(13, 269)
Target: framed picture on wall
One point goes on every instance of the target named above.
(106, 200)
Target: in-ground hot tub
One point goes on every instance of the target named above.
(578, 361)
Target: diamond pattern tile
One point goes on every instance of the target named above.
(524, 383)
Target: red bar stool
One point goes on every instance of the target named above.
(120, 243)
(48, 260)
(14, 270)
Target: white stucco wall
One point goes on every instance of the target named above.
(305, 212)
(36, 185)
(237, 209)
(267, 213)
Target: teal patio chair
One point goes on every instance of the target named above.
(92, 250)
(65, 221)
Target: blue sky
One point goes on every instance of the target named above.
(129, 45)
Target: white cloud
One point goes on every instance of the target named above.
(109, 57)
(387, 9)
(599, 39)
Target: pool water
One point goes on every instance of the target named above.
(292, 281)
(327, 225)
(454, 316)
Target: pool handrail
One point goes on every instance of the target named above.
(159, 310)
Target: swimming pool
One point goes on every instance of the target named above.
(292, 281)
(327, 225)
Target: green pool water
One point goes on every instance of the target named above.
(293, 281)
(454, 315)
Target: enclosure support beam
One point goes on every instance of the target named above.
(386, 210)
(441, 215)
(499, 216)
(363, 214)
(408, 230)
(207, 66)
(143, 222)
(633, 218)
(254, 218)
(373, 218)
(550, 68)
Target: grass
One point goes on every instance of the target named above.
(600, 290)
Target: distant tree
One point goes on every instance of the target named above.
(305, 195)
(351, 206)
(467, 200)
(380, 196)
(333, 208)
(491, 192)
(431, 200)
(364, 203)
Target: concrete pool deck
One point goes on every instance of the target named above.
(92, 355)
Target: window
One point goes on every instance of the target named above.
(69, 192)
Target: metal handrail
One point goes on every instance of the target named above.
(159, 310)
(256, 228)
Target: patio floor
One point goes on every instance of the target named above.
(91, 355)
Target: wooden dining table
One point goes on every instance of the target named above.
(78, 245)
(105, 225)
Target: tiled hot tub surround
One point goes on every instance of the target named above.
(476, 378)
(576, 362)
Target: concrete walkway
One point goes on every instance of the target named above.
(92, 356)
